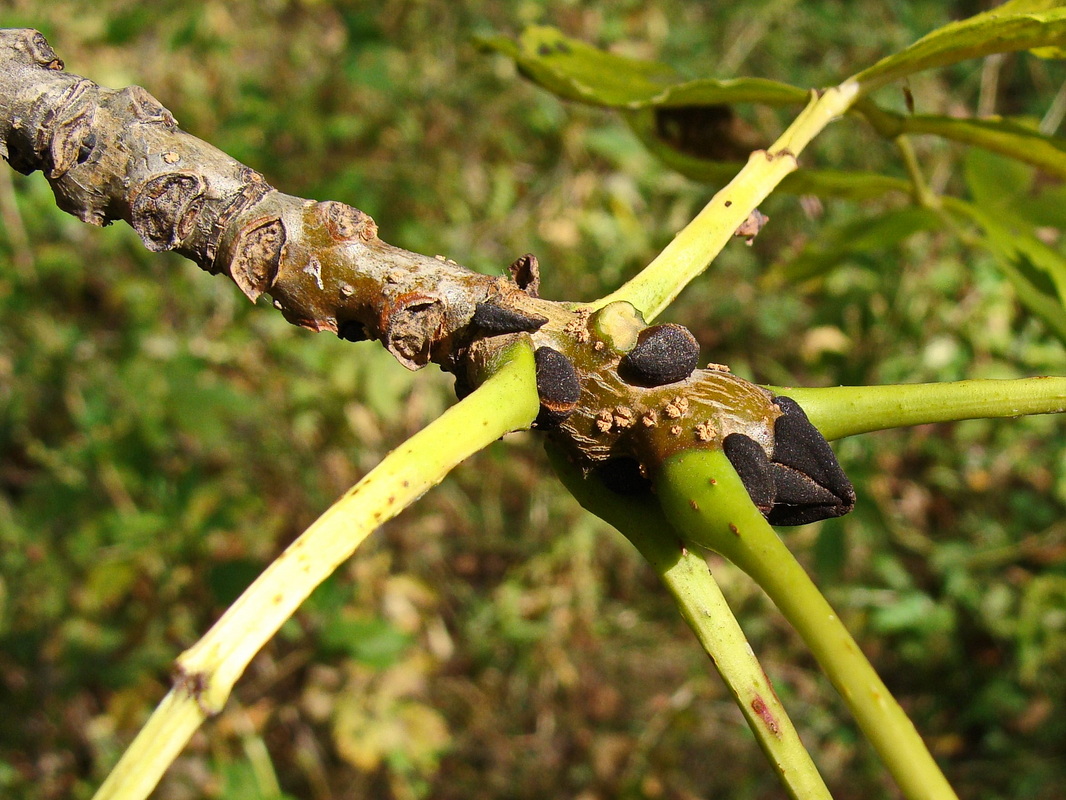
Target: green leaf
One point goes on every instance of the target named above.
(861, 236)
(575, 70)
(1037, 271)
(1045, 209)
(996, 183)
(999, 135)
(672, 116)
(992, 32)
(1026, 7)
(843, 184)
(822, 182)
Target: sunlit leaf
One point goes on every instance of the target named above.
(993, 32)
(999, 135)
(691, 117)
(1037, 271)
(575, 70)
(995, 182)
(1028, 6)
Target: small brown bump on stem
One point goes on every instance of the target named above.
(624, 417)
(706, 432)
(758, 705)
(734, 529)
(525, 272)
(676, 407)
(345, 223)
(257, 254)
(750, 227)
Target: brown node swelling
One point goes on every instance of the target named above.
(663, 354)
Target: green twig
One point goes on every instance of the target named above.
(706, 501)
(692, 250)
(840, 411)
(206, 672)
(923, 195)
(704, 608)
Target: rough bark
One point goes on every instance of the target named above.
(619, 397)
(112, 155)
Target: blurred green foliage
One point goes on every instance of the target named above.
(161, 439)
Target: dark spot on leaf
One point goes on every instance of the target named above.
(711, 132)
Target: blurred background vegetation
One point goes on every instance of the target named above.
(161, 439)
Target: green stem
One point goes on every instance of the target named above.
(705, 500)
(704, 608)
(507, 401)
(839, 411)
(923, 195)
(692, 250)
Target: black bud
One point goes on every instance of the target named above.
(754, 468)
(352, 331)
(663, 354)
(622, 476)
(496, 319)
(798, 444)
(558, 387)
(802, 481)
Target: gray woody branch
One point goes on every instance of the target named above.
(120, 155)
(618, 396)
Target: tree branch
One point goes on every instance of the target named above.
(112, 155)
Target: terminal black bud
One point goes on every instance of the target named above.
(663, 354)
(802, 481)
(754, 468)
(495, 319)
(558, 387)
